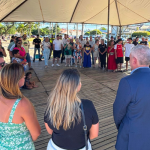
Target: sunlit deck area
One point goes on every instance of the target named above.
(97, 85)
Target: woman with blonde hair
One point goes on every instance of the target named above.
(19, 126)
(64, 117)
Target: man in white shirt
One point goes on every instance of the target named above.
(57, 49)
(128, 47)
(82, 41)
(91, 42)
(64, 42)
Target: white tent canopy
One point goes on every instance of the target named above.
(122, 12)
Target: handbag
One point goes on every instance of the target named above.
(84, 127)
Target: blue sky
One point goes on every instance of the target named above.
(72, 26)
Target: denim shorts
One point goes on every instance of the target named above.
(28, 57)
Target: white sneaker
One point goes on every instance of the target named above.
(52, 65)
(57, 65)
(65, 65)
(69, 65)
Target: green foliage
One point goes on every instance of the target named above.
(44, 31)
(1, 29)
(87, 33)
(5, 27)
(34, 31)
(93, 32)
(21, 28)
(102, 28)
(12, 30)
(141, 33)
(58, 29)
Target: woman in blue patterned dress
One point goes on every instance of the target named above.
(87, 56)
(19, 126)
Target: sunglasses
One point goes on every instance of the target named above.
(18, 43)
(2, 64)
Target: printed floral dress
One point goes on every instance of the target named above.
(15, 136)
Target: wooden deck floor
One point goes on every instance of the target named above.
(97, 86)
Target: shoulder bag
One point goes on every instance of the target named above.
(84, 127)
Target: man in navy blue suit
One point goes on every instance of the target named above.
(131, 108)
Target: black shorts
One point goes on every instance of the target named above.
(119, 60)
(127, 58)
(57, 54)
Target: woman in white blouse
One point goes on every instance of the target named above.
(46, 50)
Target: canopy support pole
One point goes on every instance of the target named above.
(67, 28)
(55, 30)
(82, 29)
(111, 29)
(96, 30)
(39, 30)
(108, 28)
(52, 28)
(77, 31)
(120, 31)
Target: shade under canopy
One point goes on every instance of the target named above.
(122, 12)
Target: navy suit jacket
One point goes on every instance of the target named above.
(131, 111)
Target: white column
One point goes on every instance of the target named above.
(77, 31)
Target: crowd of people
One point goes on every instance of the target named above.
(74, 122)
(85, 52)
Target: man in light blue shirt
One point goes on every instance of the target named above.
(131, 108)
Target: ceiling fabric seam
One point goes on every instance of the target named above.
(74, 11)
(13, 10)
(99, 12)
(41, 10)
(134, 12)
